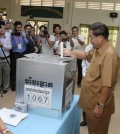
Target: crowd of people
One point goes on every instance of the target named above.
(18, 41)
(100, 64)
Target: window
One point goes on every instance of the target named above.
(93, 5)
(36, 3)
(56, 3)
(80, 4)
(59, 3)
(24, 2)
(47, 2)
(107, 6)
(117, 6)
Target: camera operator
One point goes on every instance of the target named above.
(19, 41)
(27, 28)
(47, 41)
(5, 46)
(33, 42)
(66, 43)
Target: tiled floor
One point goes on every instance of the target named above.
(8, 101)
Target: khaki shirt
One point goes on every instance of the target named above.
(103, 71)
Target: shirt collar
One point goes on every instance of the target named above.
(102, 49)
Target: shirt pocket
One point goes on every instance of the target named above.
(94, 72)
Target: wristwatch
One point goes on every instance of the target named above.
(5, 131)
(100, 105)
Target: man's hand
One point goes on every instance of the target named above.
(1, 45)
(98, 111)
(66, 52)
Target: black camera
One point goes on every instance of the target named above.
(16, 33)
(64, 39)
(46, 34)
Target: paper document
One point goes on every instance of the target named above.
(11, 117)
(61, 50)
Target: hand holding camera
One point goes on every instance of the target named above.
(46, 34)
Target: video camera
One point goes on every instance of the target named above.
(44, 29)
(16, 33)
(45, 32)
(64, 40)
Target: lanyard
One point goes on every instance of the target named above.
(17, 39)
(32, 40)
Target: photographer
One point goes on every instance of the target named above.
(19, 41)
(66, 43)
(47, 41)
(33, 42)
(27, 28)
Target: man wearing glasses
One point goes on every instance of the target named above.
(97, 90)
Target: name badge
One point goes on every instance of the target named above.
(19, 46)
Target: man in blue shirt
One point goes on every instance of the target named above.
(19, 41)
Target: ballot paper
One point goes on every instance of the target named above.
(31, 55)
(12, 117)
(61, 50)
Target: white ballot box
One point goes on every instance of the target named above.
(46, 84)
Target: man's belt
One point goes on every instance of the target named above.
(2, 58)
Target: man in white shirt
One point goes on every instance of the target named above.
(8, 30)
(79, 45)
(5, 47)
(57, 30)
(47, 41)
(66, 44)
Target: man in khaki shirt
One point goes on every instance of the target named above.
(97, 89)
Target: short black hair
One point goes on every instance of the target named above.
(99, 28)
(75, 27)
(63, 32)
(16, 23)
(56, 25)
(27, 25)
(45, 28)
(2, 23)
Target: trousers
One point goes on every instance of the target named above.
(98, 125)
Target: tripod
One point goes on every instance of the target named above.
(1, 90)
